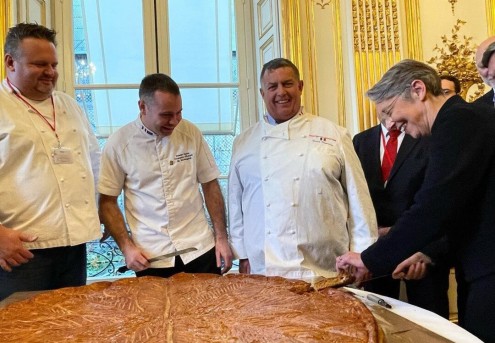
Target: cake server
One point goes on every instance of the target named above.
(123, 269)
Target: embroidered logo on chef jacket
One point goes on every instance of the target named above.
(322, 139)
(185, 156)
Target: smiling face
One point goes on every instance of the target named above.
(281, 92)
(162, 113)
(408, 115)
(34, 68)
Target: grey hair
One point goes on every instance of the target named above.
(26, 30)
(279, 63)
(398, 78)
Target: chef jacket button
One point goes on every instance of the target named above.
(296, 178)
(266, 179)
(67, 205)
(86, 202)
(83, 176)
(301, 154)
(268, 205)
(293, 204)
(79, 153)
(265, 157)
(43, 131)
(74, 130)
(62, 179)
(303, 136)
(268, 233)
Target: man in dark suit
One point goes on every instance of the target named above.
(391, 198)
(457, 197)
(483, 53)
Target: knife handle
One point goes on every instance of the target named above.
(122, 269)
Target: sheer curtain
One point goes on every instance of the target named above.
(4, 26)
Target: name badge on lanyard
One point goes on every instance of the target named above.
(61, 155)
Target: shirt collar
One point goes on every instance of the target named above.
(269, 119)
(144, 129)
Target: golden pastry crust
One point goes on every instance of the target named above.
(341, 280)
(190, 308)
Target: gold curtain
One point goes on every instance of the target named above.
(4, 26)
(376, 49)
(490, 16)
(294, 14)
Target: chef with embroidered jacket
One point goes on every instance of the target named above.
(297, 194)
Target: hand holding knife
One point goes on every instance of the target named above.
(124, 269)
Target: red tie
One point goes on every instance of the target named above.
(389, 154)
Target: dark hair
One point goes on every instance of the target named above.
(26, 30)
(279, 63)
(157, 82)
(398, 78)
(455, 80)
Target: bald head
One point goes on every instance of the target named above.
(483, 69)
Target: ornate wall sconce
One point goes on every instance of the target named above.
(456, 58)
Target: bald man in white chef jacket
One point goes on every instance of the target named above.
(297, 194)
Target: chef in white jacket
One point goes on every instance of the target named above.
(297, 194)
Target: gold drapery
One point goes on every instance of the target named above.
(490, 16)
(4, 26)
(293, 45)
(413, 31)
(376, 49)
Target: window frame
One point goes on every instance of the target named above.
(156, 43)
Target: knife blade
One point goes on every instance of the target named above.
(123, 269)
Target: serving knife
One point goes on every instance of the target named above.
(123, 269)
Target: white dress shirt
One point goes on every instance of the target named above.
(161, 178)
(55, 202)
(298, 198)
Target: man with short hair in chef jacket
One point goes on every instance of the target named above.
(297, 194)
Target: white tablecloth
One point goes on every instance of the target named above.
(425, 318)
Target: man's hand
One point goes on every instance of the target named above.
(134, 258)
(224, 254)
(244, 266)
(12, 251)
(412, 268)
(351, 263)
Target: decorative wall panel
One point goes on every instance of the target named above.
(376, 49)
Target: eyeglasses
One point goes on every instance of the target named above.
(388, 111)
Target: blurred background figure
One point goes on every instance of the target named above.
(450, 85)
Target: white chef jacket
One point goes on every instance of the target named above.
(55, 202)
(161, 178)
(298, 198)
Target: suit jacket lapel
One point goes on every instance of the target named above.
(406, 146)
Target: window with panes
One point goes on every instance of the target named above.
(117, 42)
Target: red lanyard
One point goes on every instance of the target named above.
(20, 97)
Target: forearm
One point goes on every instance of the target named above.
(216, 208)
(113, 220)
